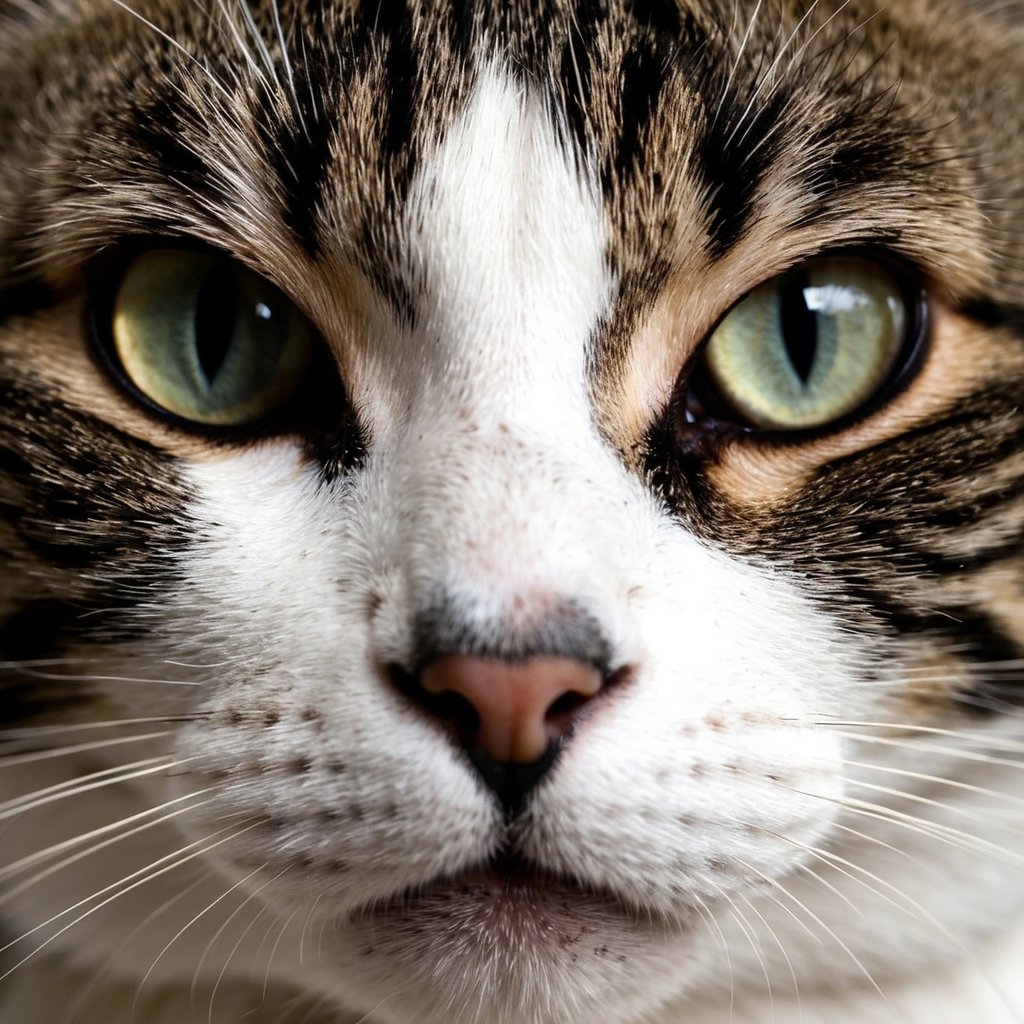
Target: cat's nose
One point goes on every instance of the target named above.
(520, 709)
(510, 716)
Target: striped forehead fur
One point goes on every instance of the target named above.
(293, 95)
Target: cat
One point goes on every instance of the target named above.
(511, 512)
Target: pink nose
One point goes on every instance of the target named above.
(522, 707)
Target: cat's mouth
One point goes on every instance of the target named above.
(523, 902)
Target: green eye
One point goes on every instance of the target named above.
(810, 346)
(206, 339)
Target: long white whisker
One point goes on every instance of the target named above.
(273, 952)
(781, 947)
(288, 70)
(253, 895)
(867, 838)
(943, 833)
(955, 809)
(213, 80)
(181, 931)
(899, 899)
(926, 747)
(983, 737)
(751, 936)
(148, 876)
(734, 67)
(14, 760)
(240, 45)
(821, 924)
(69, 844)
(38, 732)
(765, 78)
(85, 784)
(305, 929)
(75, 1008)
(709, 918)
(93, 677)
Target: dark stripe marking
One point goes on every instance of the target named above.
(38, 631)
(389, 23)
(996, 314)
(301, 157)
(24, 299)
(160, 130)
(735, 156)
(643, 76)
(660, 15)
(576, 68)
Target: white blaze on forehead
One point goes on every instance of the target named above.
(505, 252)
(485, 459)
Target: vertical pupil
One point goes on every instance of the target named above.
(214, 322)
(799, 326)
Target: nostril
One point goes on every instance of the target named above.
(448, 706)
(563, 711)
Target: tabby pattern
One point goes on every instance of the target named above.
(228, 791)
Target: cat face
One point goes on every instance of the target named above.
(509, 515)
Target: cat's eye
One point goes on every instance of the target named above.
(811, 346)
(207, 340)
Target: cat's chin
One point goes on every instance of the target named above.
(508, 942)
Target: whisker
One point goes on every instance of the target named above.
(253, 895)
(750, 935)
(900, 900)
(57, 848)
(956, 809)
(874, 884)
(86, 784)
(930, 748)
(181, 931)
(943, 833)
(273, 952)
(288, 70)
(15, 760)
(305, 929)
(91, 677)
(148, 876)
(779, 943)
(210, 77)
(313, 1010)
(75, 1008)
(734, 66)
(240, 46)
(939, 780)
(821, 924)
(980, 736)
(44, 731)
(709, 918)
(765, 78)
(869, 839)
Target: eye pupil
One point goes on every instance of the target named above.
(214, 323)
(799, 326)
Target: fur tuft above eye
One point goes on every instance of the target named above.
(809, 347)
(206, 340)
